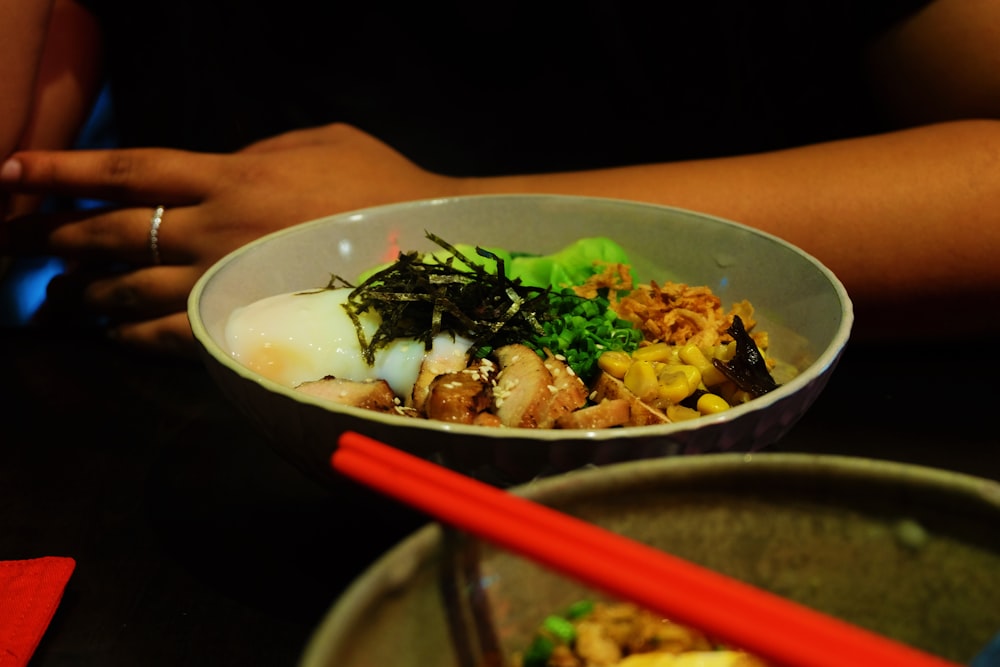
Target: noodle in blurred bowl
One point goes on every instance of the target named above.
(906, 551)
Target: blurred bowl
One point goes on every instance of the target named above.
(909, 552)
(797, 300)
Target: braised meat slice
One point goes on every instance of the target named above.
(433, 365)
(640, 413)
(368, 394)
(532, 393)
(462, 396)
(570, 391)
(606, 414)
(522, 391)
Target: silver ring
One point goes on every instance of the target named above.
(154, 234)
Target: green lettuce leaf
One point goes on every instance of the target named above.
(572, 265)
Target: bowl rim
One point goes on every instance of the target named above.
(825, 360)
(414, 550)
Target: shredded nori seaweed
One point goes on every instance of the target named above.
(420, 296)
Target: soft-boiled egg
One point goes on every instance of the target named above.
(302, 336)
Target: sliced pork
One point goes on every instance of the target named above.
(640, 413)
(462, 396)
(606, 414)
(369, 394)
(433, 366)
(532, 393)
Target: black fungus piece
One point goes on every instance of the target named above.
(747, 369)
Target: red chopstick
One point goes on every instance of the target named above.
(774, 628)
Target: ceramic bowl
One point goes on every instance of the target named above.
(797, 300)
(906, 551)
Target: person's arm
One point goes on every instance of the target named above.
(69, 78)
(23, 25)
(909, 220)
(48, 86)
(905, 217)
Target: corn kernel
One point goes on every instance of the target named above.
(731, 393)
(692, 373)
(674, 387)
(679, 413)
(710, 375)
(725, 351)
(655, 352)
(692, 354)
(710, 404)
(739, 397)
(614, 362)
(641, 380)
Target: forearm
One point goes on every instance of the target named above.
(21, 38)
(69, 77)
(64, 88)
(900, 216)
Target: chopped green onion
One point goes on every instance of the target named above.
(537, 654)
(581, 329)
(580, 609)
(560, 628)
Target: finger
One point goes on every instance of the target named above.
(64, 292)
(99, 235)
(52, 233)
(149, 292)
(131, 175)
(130, 295)
(165, 335)
(18, 204)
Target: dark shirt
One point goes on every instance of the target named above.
(471, 88)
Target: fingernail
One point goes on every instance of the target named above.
(10, 170)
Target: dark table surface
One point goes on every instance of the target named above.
(197, 545)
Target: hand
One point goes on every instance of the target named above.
(213, 204)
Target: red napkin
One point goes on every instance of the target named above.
(30, 591)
